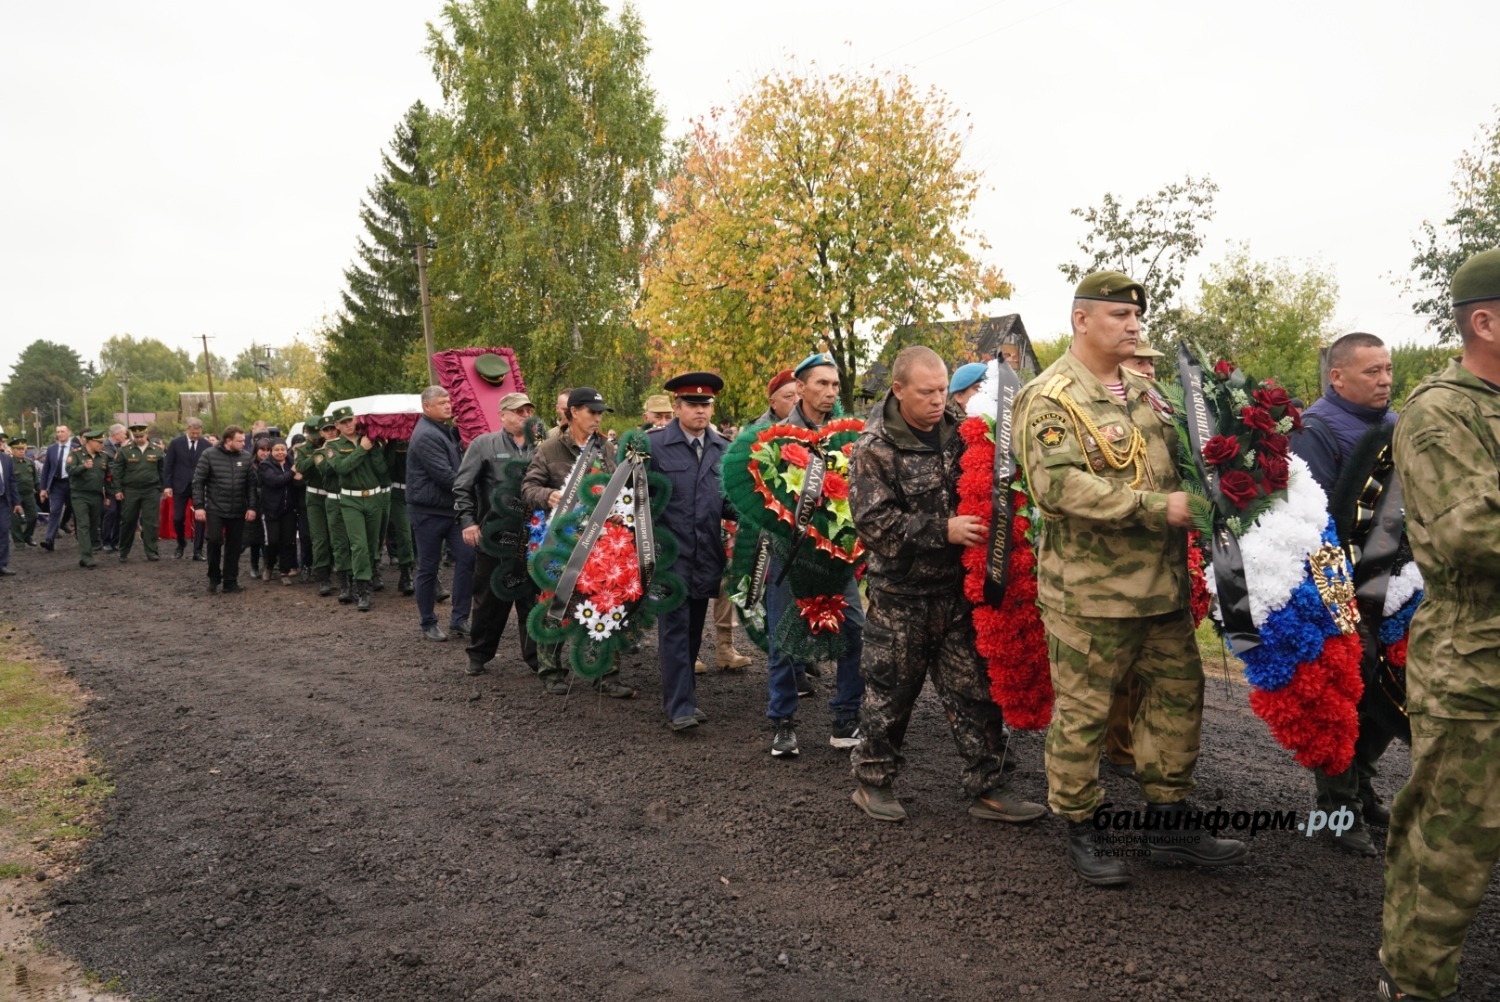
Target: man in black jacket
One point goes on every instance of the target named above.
(432, 460)
(227, 493)
(183, 453)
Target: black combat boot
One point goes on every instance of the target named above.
(377, 582)
(325, 582)
(1172, 841)
(346, 592)
(1086, 851)
(406, 586)
(362, 590)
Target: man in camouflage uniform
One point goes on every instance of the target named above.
(1445, 824)
(903, 495)
(23, 526)
(86, 469)
(136, 473)
(1099, 451)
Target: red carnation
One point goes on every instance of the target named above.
(1276, 469)
(1272, 396)
(1223, 369)
(1220, 449)
(1258, 418)
(835, 486)
(796, 454)
(1239, 487)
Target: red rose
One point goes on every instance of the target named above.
(1239, 487)
(795, 453)
(1274, 444)
(1258, 418)
(1223, 369)
(835, 486)
(1276, 469)
(1220, 449)
(1272, 396)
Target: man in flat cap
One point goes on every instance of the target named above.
(1445, 823)
(486, 490)
(690, 454)
(1099, 450)
(86, 470)
(136, 475)
(23, 527)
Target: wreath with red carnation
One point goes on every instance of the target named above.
(1009, 637)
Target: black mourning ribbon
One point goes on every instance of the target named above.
(1372, 575)
(997, 559)
(808, 503)
(632, 470)
(1224, 548)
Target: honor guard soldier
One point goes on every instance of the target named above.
(23, 526)
(86, 469)
(359, 467)
(136, 472)
(690, 454)
(1445, 823)
(1099, 450)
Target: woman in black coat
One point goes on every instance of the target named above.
(278, 512)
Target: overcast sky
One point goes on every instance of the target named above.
(176, 169)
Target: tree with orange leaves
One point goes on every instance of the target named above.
(820, 214)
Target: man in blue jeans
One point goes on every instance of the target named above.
(432, 460)
(818, 383)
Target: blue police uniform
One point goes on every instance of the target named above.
(693, 515)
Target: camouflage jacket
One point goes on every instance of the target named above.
(901, 495)
(1106, 549)
(1447, 448)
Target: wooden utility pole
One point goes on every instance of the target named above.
(426, 309)
(125, 394)
(213, 405)
(86, 406)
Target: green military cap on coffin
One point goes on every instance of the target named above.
(1477, 280)
(341, 414)
(491, 368)
(1111, 287)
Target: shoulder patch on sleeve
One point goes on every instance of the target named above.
(1050, 429)
(1426, 438)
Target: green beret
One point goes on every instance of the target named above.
(341, 414)
(1111, 287)
(491, 368)
(1477, 279)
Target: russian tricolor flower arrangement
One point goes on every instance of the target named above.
(1281, 586)
(790, 486)
(607, 559)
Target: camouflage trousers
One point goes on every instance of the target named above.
(906, 639)
(1444, 842)
(1090, 658)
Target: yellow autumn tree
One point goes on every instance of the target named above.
(824, 211)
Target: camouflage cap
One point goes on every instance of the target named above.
(515, 401)
(1144, 350)
(1477, 280)
(345, 413)
(657, 403)
(1111, 287)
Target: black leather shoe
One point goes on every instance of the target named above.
(434, 632)
(198, 557)
(1375, 813)
(362, 593)
(346, 593)
(475, 668)
(6, 572)
(1355, 840)
(180, 551)
(442, 594)
(151, 557)
(459, 629)
(233, 588)
(124, 559)
(1170, 842)
(46, 544)
(405, 585)
(1085, 852)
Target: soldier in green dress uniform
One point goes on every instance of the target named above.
(86, 469)
(315, 500)
(136, 473)
(359, 468)
(24, 525)
(338, 536)
(399, 531)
